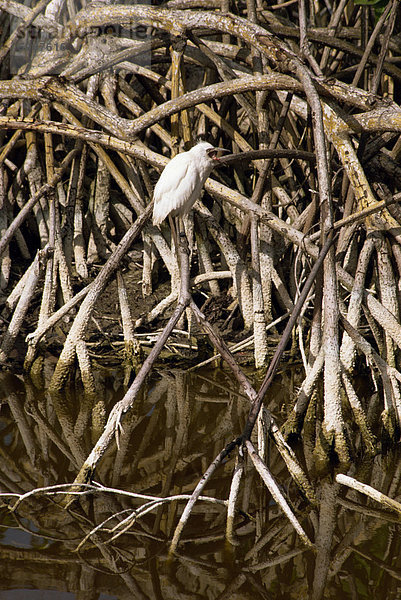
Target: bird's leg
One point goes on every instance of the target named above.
(182, 237)
(174, 237)
(183, 261)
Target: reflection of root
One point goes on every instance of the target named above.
(275, 492)
(115, 423)
(235, 485)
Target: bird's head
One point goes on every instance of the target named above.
(213, 153)
(207, 150)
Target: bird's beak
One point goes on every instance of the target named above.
(213, 152)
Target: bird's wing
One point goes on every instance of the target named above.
(172, 176)
(174, 187)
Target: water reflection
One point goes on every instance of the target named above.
(178, 425)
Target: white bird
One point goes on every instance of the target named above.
(181, 181)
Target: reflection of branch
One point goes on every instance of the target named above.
(369, 491)
(232, 499)
(150, 503)
(279, 560)
(197, 492)
(124, 526)
(275, 492)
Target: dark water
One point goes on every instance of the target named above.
(172, 434)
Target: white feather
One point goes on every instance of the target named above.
(181, 182)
